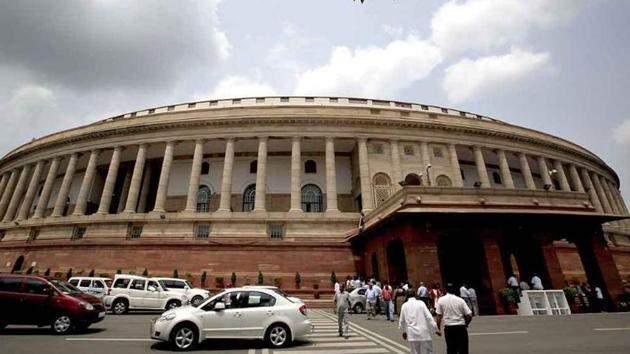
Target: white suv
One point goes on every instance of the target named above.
(196, 295)
(140, 293)
(235, 313)
(96, 286)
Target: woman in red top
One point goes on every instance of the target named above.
(435, 293)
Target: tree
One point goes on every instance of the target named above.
(119, 271)
(261, 279)
(29, 270)
(69, 274)
(145, 272)
(333, 278)
(47, 272)
(91, 274)
(233, 279)
(203, 279)
(298, 280)
(175, 273)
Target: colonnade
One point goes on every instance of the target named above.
(19, 186)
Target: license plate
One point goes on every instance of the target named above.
(101, 314)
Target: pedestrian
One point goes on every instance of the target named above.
(342, 304)
(399, 299)
(473, 301)
(388, 297)
(379, 292)
(337, 287)
(455, 314)
(370, 302)
(423, 294)
(523, 286)
(536, 282)
(599, 299)
(435, 294)
(465, 295)
(417, 324)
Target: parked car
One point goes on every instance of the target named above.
(358, 300)
(235, 313)
(276, 289)
(35, 300)
(196, 295)
(96, 286)
(132, 292)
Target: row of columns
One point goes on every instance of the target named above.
(16, 187)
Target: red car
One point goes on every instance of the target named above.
(34, 300)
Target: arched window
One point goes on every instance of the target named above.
(443, 181)
(496, 177)
(382, 187)
(311, 199)
(205, 168)
(412, 179)
(253, 166)
(249, 197)
(310, 166)
(203, 198)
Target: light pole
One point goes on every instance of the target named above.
(427, 168)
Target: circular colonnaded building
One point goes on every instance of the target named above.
(278, 184)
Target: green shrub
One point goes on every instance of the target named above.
(261, 279)
(233, 279)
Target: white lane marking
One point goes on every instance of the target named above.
(251, 351)
(338, 351)
(342, 344)
(111, 339)
(335, 339)
(612, 329)
(496, 333)
(325, 335)
(265, 351)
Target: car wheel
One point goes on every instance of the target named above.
(184, 337)
(120, 307)
(61, 324)
(278, 336)
(196, 300)
(358, 308)
(173, 304)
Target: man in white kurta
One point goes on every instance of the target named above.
(417, 324)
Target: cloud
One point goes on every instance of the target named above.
(489, 24)
(372, 71)
(239, 86)
(468, 78)
(621, 134)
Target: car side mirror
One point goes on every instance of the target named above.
(219, 306)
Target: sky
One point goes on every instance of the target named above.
(557, 66)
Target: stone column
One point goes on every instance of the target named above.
(16, 199)
(3, 183)
(30, 191)
(554, 275)
(575, 178)
(226, 184)
(590, 188)
(456, 171)
(601, 194)
(144, 193)
(42, 204)
(506, 175)
(331, 176)
(562, 177)
(195, 173)
(110, 182)
(482, 172)
(62, 195)
(8, 192)
(296, 174)
(364, 173)
(607, 192)
(396, 170)
(615, 191)
(426, 160)
(495, 274)
(124, 192)
(261, 175)
(86, 185)
(526, 171)
(544, 172)
(136, 180)
(165, 174)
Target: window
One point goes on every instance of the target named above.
(192, 105)
(202, 231)
(78, 232)
(437, 152)
(152, 110)
(85, 283)
(133, 114)
(205, 168)
(284, 99)
(36, 287)
(496, 178)
(138, 284)
(377, 148)
(309, 99)
(203, 198)
(444, 110)
(11, 284)
(276, 231)
(121, 283)
(443, 181)
(333, 100)
(170, 108)
(424, 108)
(249, 198)
(173, 284)
(213, 103)
(74, 282)
(311, 199)
(408, 150)
(98, 284)
(253, 166)
(412, 179)
(236, 101)
(257, 299)
(134, 231)
(154, 284)
(260, 100)
(310, 166)
(33, 234)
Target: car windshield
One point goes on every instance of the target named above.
(64, 287)
(189, 284)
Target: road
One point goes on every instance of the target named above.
(583, 333)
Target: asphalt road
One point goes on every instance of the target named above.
(585, 333)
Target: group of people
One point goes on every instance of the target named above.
(453, 309)
(591, 298)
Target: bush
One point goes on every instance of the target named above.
(91, 273)
(507, 296)
(298, 280)
(175, 273)
(145, 272)
(47, 272)
(119, 271)
(203, 279)
(333, 278)
(69, 274)
(233, 279)
(261, 279)
(29, 270)
(277, 282)
(218, 282)
(570, 293)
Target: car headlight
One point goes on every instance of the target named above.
(167, 317)
(86, 305)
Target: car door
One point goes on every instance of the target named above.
(11, 298)
(36, 301)
(98, 288)
(258, 308)
(153, 299)
(136, 291)
(223, 323)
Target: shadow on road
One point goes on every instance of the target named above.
(225, 344)
(34, 331)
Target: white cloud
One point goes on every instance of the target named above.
(486, 24)
(470, 78)
(621, 134)
(372, 71)
(239, 86)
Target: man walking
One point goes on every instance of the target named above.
(456, 316)
(465, 295)
(388, 296)
(371, 295)
(537, 283)
(417, 324)
(342, 304)
(473, 301)
(423, 294)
